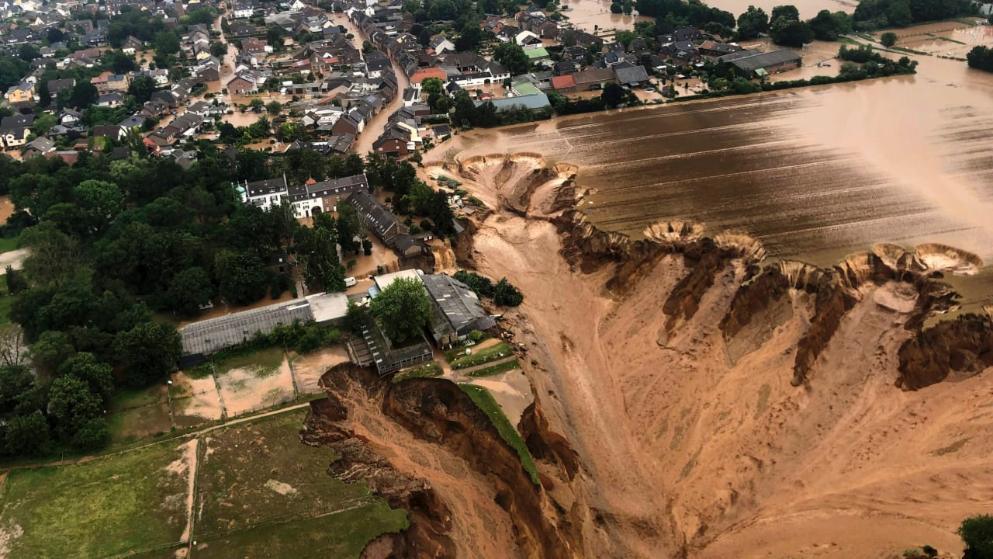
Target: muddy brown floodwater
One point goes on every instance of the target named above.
(814, 173)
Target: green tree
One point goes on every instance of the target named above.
(242, 277)
(50, 350)
(147, 353)
(166, 43)
(141, 88)
(752, 22)
(790, 32)
(787, 11)
(512, 57)
(828, 27)
(888, 39)
(27, 435)
(71, 405)
(317, 248)
(98, 376)
(99, 203)
(506, 295)
(348, 228)
(43, 123)
(190, 289)
(91, 435)
(980, 58)
(977, 534)
(83, 95)
(274, 107)
(613, 95)
(402, 309)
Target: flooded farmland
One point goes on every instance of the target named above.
(815, 173)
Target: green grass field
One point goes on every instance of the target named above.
(263, 361)
(509, 365)
(263, 493)
(426, 370)
(8, 244)
(130, 502)
(484, 400)
(492, 353)
(340, 535)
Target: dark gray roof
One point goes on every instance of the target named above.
(750, 61)
(631, 75)
(458, 304)
(373, 214)
(268, 186)
(214, 334)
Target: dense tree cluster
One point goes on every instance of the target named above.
(875, 14)
(410, 195)
(117, 242)
(512, 57)
(787, 29)
(980, 58)
(402, 310)
(503, 293)
(670, 14)
(977, 534)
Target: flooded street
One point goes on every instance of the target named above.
(815, 173)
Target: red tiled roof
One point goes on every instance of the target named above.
(426, 73)
(563, 82)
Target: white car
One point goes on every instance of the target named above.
(350, 281)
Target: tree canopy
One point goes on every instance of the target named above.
(402, 309)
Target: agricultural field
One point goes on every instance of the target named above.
(132, 502)
(256, 489)
(263, 493)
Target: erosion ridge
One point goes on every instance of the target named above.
(755, 464)
(835, 290)
(437, 411)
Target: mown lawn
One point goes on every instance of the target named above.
(492, 353)
(485, 401)
(263, 493)
(426, 370)
(508, 365)
(131, 502)
(8, 244)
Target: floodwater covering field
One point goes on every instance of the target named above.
(815, 173)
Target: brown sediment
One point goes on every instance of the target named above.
(959, 347)
(426, 447)
(680, 453)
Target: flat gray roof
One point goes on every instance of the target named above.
(214, 334)
(458, 303)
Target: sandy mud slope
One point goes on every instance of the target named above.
(778, 431)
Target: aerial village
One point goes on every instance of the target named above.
(210, 206)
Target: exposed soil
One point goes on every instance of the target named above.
(710, 418)
(425, 446)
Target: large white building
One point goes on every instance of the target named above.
(306, 199)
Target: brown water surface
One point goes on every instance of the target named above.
(815, 173)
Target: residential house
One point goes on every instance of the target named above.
(14, 130)
(630, 75)
(440, 44)
(57, 86)
(20, 93)
(239, 85)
